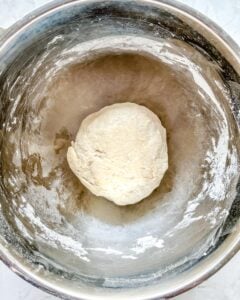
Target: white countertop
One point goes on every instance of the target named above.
(225, 285)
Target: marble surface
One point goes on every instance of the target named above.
(225, 285)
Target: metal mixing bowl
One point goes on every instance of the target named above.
(20, 48)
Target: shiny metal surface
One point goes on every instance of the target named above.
(208, 265)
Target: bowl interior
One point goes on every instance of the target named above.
(74, 61)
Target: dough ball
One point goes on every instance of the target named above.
(120, 153)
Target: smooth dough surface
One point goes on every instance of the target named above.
(120, 153)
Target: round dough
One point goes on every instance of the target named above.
(120, 153)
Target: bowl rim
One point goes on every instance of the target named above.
(207, 267)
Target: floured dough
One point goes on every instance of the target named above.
(120, 153)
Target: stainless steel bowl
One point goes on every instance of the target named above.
(19, 49)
